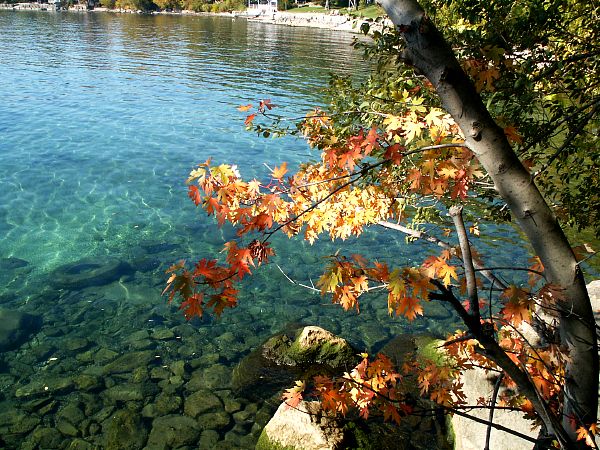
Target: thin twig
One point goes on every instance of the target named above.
(488, 433)
(296, 283)
(445, 245)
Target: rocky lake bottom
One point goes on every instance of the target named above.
(96, 358)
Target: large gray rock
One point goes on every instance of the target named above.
(594, 293)
(470, 435)
(16, 327)
(305, 427)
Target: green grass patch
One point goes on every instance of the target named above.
(308, 9)
(370, 12)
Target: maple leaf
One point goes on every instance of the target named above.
(394, 153)
(205, 268)
(587, 434)
(434, 117)
(192, 306)
(371, 142)
(293, 396)
(412, 130)
(583, 251)
(194, 194)
(460, 189)
(513, 135)
(360, 284)
(212, 205)
(279, 172)
(227, 298)
(253, 189)
(410, 307)
(391, 412)
(265, 104)
(447, 273)
(249, 120)
(331, 399)
(393, 123)
(516, 312)
(346, 297)
(536, 266)
(244, 108)
(484, 80)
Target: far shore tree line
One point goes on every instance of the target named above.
(206, 6)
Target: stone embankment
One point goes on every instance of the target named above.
(316, 20)
(313, 20)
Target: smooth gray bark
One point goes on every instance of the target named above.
(427, 51)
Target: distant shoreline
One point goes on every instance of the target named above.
(335, 22)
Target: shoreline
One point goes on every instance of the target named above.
(332, 21)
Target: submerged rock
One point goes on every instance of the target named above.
(163, 404)
(16, 327)
(128, 362)
(90, 272)
(124, 430)
(214, 421)
(173, 431)
(46, 438)
(46, 386)
(12, 263)
(201, 402)
(126, 392)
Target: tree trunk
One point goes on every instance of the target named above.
(427, 50)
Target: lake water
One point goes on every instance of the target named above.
(102, 117)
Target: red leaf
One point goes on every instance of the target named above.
(194, 194)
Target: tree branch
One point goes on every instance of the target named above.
(465, 249)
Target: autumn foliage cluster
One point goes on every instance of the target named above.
(389, 154)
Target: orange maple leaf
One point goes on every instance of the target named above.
(293, 396)
(279, 172)
(244, 108)
(194, 194)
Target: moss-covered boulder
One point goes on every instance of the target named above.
(296, 353)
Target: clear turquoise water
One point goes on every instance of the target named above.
(102, 117)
